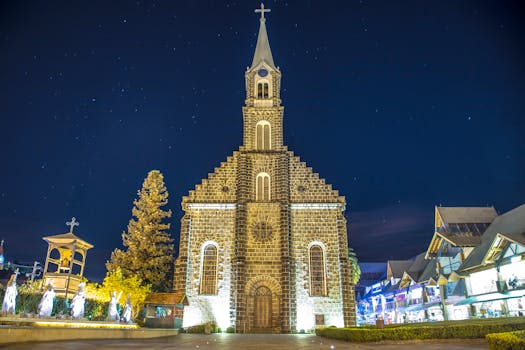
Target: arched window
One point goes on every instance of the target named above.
(209, 270)
(317, 271)
(262, 187)
(262, 135)
(262, 90)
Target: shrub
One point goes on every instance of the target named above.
(230, 330)
(506, 341)
(461, 330)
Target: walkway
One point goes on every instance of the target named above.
(241, 342)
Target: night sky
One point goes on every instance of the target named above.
(400, 105)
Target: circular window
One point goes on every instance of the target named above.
(262, 231)
(262, 72)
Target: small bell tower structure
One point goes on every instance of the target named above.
(65, 261)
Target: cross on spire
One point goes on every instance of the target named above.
(72, 224)
(262, 10)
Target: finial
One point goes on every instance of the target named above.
(262, 10)
(72, 224)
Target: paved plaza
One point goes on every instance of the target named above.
(242, 342)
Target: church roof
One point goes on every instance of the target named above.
(263, 53)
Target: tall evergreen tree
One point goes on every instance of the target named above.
(149, 246)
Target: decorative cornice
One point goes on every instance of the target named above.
(327, 206)
(212, 206)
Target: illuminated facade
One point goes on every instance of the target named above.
(474, 267)
(263, 243)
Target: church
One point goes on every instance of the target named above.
(263, 240)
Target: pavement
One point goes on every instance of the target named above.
(244, 342)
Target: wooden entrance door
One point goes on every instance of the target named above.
(263, 308)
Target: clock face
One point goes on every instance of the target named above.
(262, 72)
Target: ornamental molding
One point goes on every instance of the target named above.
(327, 206)
(212, 206)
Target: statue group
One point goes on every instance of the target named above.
(45, 307)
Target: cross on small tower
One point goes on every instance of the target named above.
(72, 224)
(262, 10)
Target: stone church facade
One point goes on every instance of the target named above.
(263, 241)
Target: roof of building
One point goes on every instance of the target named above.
(68, 239)
(417, 267)
(167, 299)
(397, 267)
(262, 49)
(452, 215)
(510, 224)
(429, 272)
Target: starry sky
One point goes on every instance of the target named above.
(400, 105)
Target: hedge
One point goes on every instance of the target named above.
(461, 330)
(506, 341)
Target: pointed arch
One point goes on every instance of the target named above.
(317, 269)
(209, 260)
(263, 134)
(262, 187)
(263, 89)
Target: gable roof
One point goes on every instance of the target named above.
(474, 215)
(510, 225)
(396, 268)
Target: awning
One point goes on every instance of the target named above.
(482, 298)
(515, 293)
(419, 307)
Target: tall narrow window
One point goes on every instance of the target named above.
(317, 271)
(262, 187)
(209, 270)
(263, 135)
(262, 90)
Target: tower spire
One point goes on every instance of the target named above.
(262, 49)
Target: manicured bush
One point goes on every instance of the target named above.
(506, 341)
(448, 330)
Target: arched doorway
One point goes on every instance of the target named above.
(263, 308)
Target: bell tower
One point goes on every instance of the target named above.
(263, 113)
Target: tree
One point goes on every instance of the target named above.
(149, 247)
(115, 281)
(356, 270)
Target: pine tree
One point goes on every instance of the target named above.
(149, 247)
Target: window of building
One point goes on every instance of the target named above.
(209, 270)
(262, 187)
(317, 271)
(262, 135)
(262, 90)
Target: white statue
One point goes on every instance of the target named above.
(113, 314)
(77, 304)
(45, 308)
(9, 304)
(126, 315)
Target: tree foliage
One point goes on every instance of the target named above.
(115, 281)
(356, 270)
(149, 246)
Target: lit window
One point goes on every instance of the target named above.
(262, 187)
(262, 90)
(262, 135)
(317, 271)
(209, 270)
